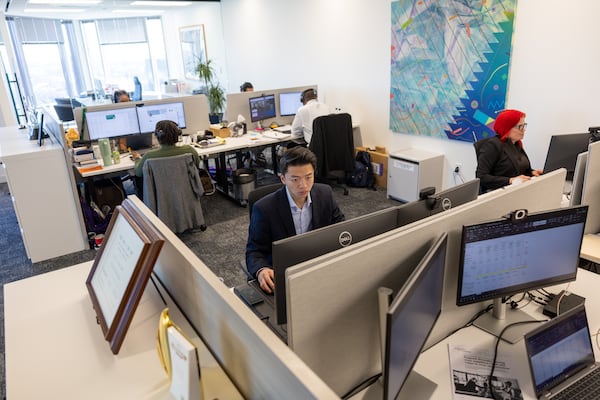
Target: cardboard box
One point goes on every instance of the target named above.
(219, 131)
(379, 161)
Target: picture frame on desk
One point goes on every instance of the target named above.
(121, 271)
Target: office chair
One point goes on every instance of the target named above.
(63, 100)
(64, 112)
(137, 91)
(479, 144)
(172, 190)
(333, 144)
(253, 197)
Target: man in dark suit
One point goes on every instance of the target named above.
(299, 206)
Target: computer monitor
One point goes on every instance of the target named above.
(578, 179)
(112, 123)
(262, 107)
(289, 103)
(412, 316)
(515, 254)
(563, 150)
(149, 114)
(454, 197)
(64, 112)
(40, 138)
(299, 248)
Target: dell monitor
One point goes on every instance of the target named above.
(112, 123)
(515, 254)
(262, 107)
(412, 316)
(289, 103)
(563, 150)
(149, 114)
(296, 249)
(454, 196)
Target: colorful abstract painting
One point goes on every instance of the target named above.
(449, 66)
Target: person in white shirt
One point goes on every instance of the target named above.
(311, 109)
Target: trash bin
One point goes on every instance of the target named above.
(244, 181)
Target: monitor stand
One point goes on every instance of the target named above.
(259, 126)
(500, 317)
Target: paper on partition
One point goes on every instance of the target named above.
(470, 369)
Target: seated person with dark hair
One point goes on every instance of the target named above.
(167, 132)
(121, 96)
(246, 87)
(299, 206)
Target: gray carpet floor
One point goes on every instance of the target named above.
(220, 247)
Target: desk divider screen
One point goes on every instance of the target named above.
(332, 300)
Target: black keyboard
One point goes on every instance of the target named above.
(587, 387)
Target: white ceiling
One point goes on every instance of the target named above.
(102, 10)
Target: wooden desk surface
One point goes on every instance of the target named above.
(55, 348)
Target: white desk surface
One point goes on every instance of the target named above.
(434, 363)
(251, 139)
(55, 349)
(590, 247)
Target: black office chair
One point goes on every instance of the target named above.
(64, 112)
(333, 143)
(253, 197)
(478, 145)
(137, 91)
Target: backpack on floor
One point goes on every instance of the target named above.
(362, 176)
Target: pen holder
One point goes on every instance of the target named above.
(105, 151)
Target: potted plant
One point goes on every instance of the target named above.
(213, 90)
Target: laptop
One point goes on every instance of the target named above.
(263, 305)
(561, 358)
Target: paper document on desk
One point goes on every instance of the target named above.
(275, 135)
(470, 369)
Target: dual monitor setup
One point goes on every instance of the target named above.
(137, 120)
(264, 106)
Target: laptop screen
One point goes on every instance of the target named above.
(558, 349)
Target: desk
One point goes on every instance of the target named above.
(590, 248)
(434, 364)
(232, 145)
(55, 348)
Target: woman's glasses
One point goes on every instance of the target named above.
(522, 127)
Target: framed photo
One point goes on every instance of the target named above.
(121, 271)
(193, 49)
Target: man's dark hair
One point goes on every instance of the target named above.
(167, 132)
(117, 95)
(295, 156)
(245, 86)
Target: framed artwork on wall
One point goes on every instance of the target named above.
(193, 49)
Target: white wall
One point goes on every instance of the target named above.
(343, 46)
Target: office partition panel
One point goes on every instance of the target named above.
(591, 189)
(257, 361)
(332, 300)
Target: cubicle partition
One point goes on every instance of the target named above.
(332, 309)
(591, 189)
(238, 104)
(257, 361)
(195, 108)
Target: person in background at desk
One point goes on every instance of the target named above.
(121, 96)
(167, 133)
(246, 87)
(502, 160)
(311, 109)
(299, 206)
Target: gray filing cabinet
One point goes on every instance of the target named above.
(410, 170)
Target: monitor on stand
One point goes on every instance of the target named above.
(261, 108)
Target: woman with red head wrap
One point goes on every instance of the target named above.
(501, 160)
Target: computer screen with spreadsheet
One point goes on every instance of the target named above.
(510, 256)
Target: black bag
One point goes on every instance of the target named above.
(362, 176)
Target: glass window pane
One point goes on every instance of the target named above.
(45, 72)
(124, 61)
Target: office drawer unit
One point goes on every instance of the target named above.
(40, 188)
(410, 170)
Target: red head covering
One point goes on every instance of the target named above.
(507, 120)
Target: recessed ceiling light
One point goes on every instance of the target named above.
(161, 3)
(54, 10)
(65, 2)
(137, 11)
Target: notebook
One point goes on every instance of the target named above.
(561, 357)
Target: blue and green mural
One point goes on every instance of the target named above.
(449, 66)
